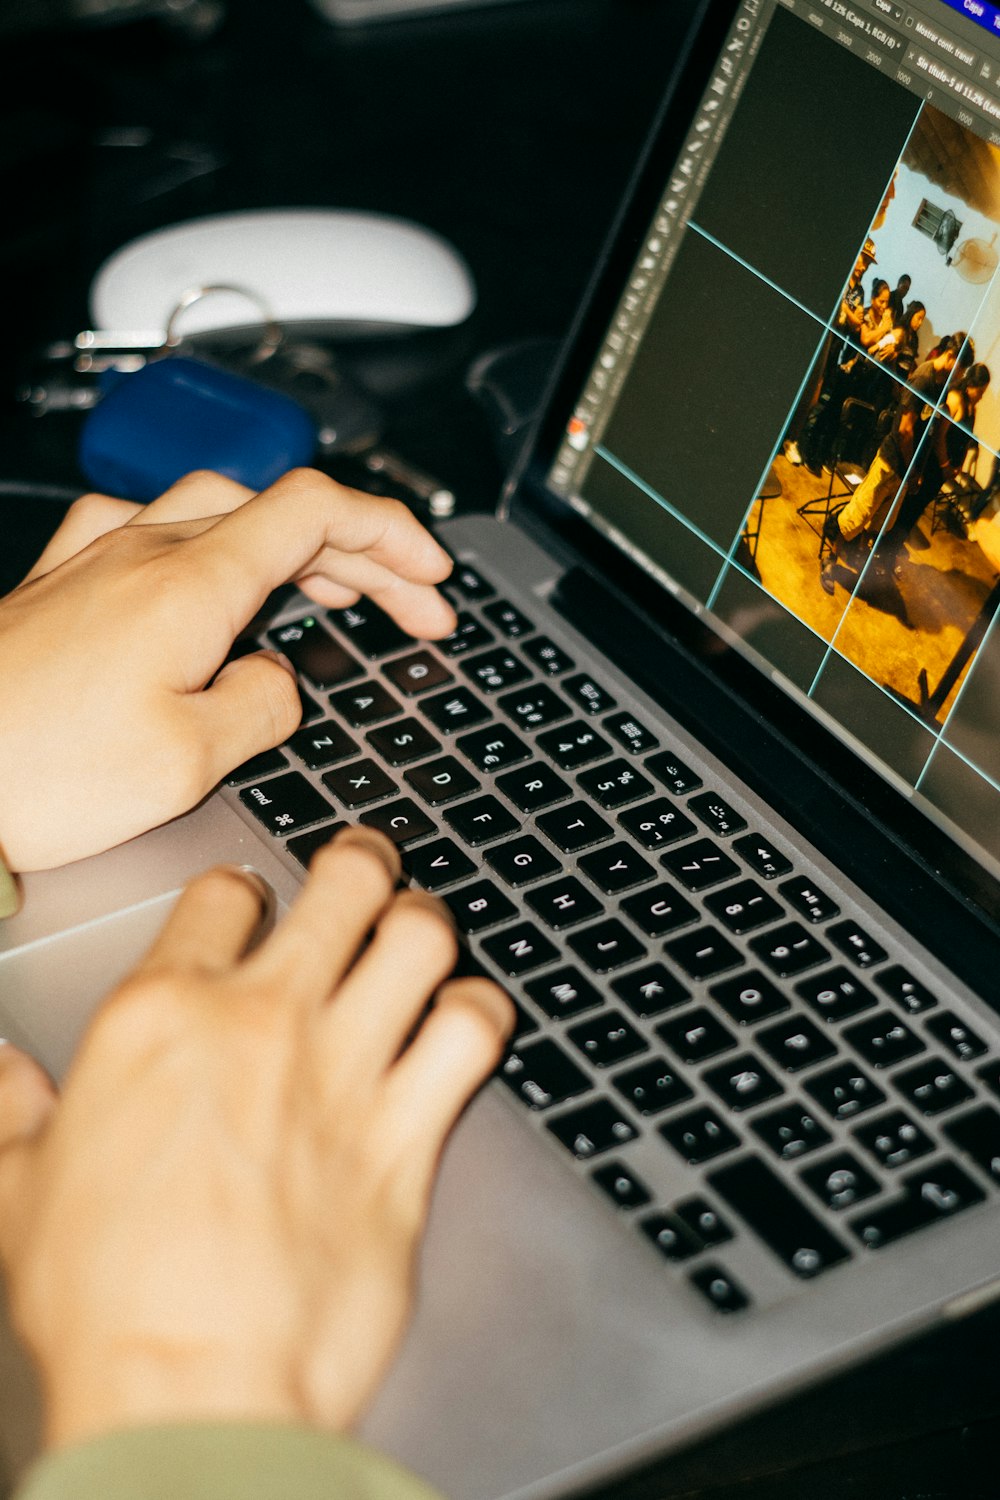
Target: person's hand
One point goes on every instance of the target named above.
(116, 716)
(218, 1218)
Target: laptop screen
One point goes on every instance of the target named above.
(793, 418)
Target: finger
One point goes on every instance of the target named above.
(377, 1006)
(215, 918)
(418, 608)
(455, 1051)
(88, 518)
(351, 881)
(27, 1096)
(201, 493)
(252, 705)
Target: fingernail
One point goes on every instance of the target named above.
(282, 660)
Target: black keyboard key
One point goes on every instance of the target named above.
(368, 703)
(522, 860)
(883, 1039)
(789, 950)
(704, 953)
(671, 771)
(762, 857)
(704, 1222)
(932, 1086)
(468, 635)
(696, 1035)
(791, 1131)
(749, 997)
(652, 1087)
(481, 820)
(547, 656)
(844, 1091)
(606, 946)
(563, 992)
(361, 782)
(533, 707)
(607, 1039)
(468, 583)
(401, 821)
(699, 865)
(588, 694)
(508, 619)
(744, 907)
(533, 786)
(700, 1135)
(614, 783)
(780, 1219)
(840, 1181)
(322, 744)
(437, 865)
(657, 824)
(304, 845)
(520, 949)
(908, 993)
(957, 1036)
(563, 903)
(836, 994)
(990, 1074)
(311, 710)
(480, 905)
(978, 1135)
(493, 749)
(542, 1074)
(286, 803)
(572, 745)
(809, 900)
(258, 766)
(314, 652)
(673, 1239)
(405, 741)
(417, 672)
(893, 1139)
(369, 629)
(659, 909)
(440, 781)
(592, 1128)
(742, 1082)
(931, 1193)
(717, 815)
(629, 733)
(454, 710)
(859, 946)
(720, 1290)
(495, 670)
(796, 1043)
(650, 990)
(575, 826)
(618, 867)
(622, 1185)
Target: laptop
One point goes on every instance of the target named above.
(711, 785)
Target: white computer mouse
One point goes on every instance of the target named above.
(334, 269)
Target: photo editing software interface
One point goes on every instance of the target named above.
(793, 420)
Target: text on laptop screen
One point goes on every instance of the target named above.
(794, 418)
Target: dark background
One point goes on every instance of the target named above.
(512, 131)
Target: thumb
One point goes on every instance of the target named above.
(252, 705)
(27, 1099)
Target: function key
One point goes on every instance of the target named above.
(522, 860)
(836, 994)
(959, 1038)
(495, 670)
(368, 703)
(742, 1082)
(454, 710)
(592, 1128)
(652, 1087)
(493, 749)
(883, 1039)
(440, 781)
(438, 864)
(717, 815)
(931, 1193)
(286, 803)
(650, 991)
(401, 821)
(547, 656)
(541, 1074)
(314, 652)
(893, 1140)
(622, 1186)
(635, 737)
(791, 1131)
(304, 845)
(572, 745)
(761, 855)
(840, 1181)
(258, 766)
(361, 782)
(508, 619)
(614, 784)
(744, 907)
(607, 1039)
(369, 629)
(908, 993)
(699, 865)
(468, 582)
(844, 1091)
(534, 706)
(779, 1218)
(403, 742)
(808, 900)
(656, 824)
(721, 1291)
(616, 868)
(606, 946)
(563, 992)
(659, 909)
(699, 1135)
(858, 945)
(978, 1135)
(520, 949)
(796, 1043)
(672, 1238)
(416, 673)
(563, 903)
(588, 694)
(749, 998)
(669, 769)
(704, 953)
(480, 905)
(533, 786)
(933, 1086)
(789, 950)
(574, 827)
(481, 820)
(468, 635)
(696, 1035)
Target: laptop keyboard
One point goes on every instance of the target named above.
(677, 979)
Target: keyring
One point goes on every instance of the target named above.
(272, 336)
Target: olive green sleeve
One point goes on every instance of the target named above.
(225, 1461)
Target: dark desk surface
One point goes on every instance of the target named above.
(512, 132)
